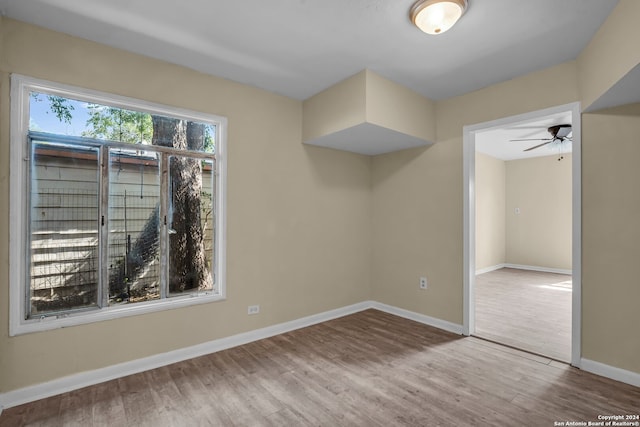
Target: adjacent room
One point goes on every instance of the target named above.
(273, 213)
(523, 287)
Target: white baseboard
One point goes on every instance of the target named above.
(84, 379)
(537, 268)
(523, 267)
(490, 269)
(622, 375)
(411, 315)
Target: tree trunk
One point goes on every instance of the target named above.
(187, 259)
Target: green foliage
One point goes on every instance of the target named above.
(60, 106)
(116, 124)
(209, 143)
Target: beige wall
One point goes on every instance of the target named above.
(542, 89)
(540, 235)
(417, 229)
(490, 181)
(417, 195)
(611, 53)
(611, 236)
(339, 107)
(298, 216)
(395, 107)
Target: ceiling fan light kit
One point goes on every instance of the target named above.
(437, 16)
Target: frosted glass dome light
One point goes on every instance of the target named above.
(437, 16)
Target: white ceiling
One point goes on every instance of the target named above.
(497, 142)
(300, 47)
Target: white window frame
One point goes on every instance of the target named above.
(21, 87)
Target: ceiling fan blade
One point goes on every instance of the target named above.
(532, 139)
(539, 145)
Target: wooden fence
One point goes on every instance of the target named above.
(65, 219)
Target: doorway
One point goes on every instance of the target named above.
(561, 284)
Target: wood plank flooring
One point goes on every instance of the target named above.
(529, 310)
(367, 369)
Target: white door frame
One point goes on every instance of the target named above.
(469, 217)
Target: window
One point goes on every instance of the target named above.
(116, 206)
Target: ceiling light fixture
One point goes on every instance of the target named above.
(437, 16)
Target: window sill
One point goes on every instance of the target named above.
(99, 315)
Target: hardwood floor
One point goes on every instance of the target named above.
(529, 310)
(367, 369)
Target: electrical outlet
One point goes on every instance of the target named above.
(423, 283)
(253, 309)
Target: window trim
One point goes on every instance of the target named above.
(21, 86)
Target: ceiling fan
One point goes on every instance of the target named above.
(558, 133)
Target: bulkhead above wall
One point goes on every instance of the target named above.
(368, 114)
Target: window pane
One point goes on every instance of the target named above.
(207, 208)
(116, 203)
(63, 227)
(190, 225)
(183, 134)
(57, 115)
(134, 238)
